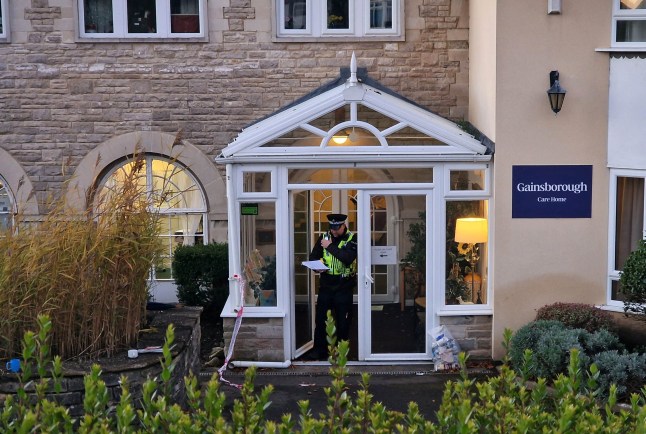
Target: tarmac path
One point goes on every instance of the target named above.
(394, 386)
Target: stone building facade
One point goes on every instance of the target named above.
(73, 106)
(61, 95)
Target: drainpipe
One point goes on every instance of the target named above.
(248, 364)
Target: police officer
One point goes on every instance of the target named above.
(337, 248)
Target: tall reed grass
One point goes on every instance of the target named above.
(88, 271)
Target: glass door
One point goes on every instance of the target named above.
(392, 259)
(304, 292)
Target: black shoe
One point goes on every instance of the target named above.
(315, 355)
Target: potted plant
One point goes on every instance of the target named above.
(457, 290)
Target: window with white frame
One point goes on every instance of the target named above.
(339, 18)
(179, 203)
(629, 23)
(3, 19)
(142, 18)
(627, 225)
(6, 206)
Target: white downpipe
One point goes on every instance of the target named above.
(248, 364)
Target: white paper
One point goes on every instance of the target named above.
(315, 265)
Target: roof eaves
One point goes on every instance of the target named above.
(479, 136)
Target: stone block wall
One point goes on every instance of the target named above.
(258, 339)
(473, 333)
(61, 97)
(186, 357)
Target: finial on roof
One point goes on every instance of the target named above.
(353, 70)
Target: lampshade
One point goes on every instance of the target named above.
(471, 230)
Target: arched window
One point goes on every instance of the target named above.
(6, 206)
(178, 198)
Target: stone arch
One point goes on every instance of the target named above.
(100, 159)
(19, 185)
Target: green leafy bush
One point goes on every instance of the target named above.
(201, 274)
(577, 315)
(499, 404)
(505, 404)
(633, 280)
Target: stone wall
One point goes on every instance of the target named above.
(258, 339)
(186, 358)
(61, 97)
(473, 333)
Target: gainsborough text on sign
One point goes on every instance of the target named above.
(552, 191)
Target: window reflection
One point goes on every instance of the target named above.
(98, 16)
(337, 14)
(467, 180)
(256, 182)
(142, 16)
(184, 16)
(6, 206)
(178, 199)
(381, 14)
(258, 253)
(295, 14)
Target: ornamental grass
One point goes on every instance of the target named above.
(87, 270)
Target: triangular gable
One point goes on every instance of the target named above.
(355, 94)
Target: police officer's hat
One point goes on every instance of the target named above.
(336, 220)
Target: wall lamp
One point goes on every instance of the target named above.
(555, 93)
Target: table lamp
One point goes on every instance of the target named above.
(471, 231)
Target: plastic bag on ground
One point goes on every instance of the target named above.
(444, 349)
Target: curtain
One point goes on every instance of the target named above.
(98, 16)
(630, 217)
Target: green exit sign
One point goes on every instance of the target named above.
(249, 209)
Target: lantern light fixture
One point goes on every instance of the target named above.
(555, 93)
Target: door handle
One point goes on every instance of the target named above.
(368, 275)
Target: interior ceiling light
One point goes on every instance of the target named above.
(340, 139)
(632, 4)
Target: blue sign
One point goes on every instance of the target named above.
(551, 192)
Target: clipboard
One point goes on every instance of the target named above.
(315, 265)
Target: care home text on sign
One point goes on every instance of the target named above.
(551, 192)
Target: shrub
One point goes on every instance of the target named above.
(88, 270)
(577, 315)
(626, 370)
(552, 351)
(201, 274)
(541, 349)
(633, 280)
(505, 404)
(498, 404)
(601, 340)
(527, 338)
(550, 343)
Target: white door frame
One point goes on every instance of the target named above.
(364, 278)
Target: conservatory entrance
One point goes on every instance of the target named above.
(387, 322)
(404, 176)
